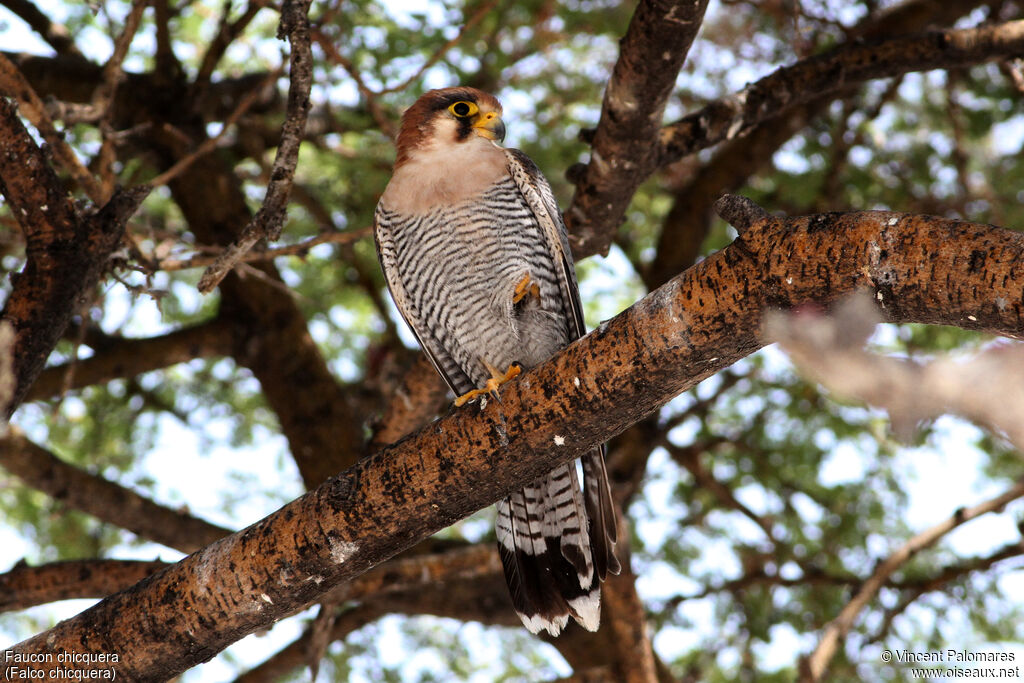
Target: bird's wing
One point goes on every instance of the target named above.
(597, 498)
(383, 223)
(538, 195)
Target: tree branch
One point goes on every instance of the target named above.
(697, 324)
(103, 499)
(67, 252)
(24, 586)
(269, 220)
(809, 79)
(814, 667)
(57, 35)
(14, 84)
(915, 588)
(300, 249)
(802, 83)
(624, 145)
(123, 357)
(988, 388)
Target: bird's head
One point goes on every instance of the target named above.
(440, 119)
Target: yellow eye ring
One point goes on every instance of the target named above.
(463, 109)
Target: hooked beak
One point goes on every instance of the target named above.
(490, 126)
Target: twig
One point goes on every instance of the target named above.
(226, 34)
(382, 120)
(481, 12)
(298, 249)
(103, 96)
(210, 144)
(947, 575)
(167, 64)
(13, 82)
(759, 577)
(270, 218)
(836, 630)
(689, 458)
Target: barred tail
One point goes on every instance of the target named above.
(557, 543)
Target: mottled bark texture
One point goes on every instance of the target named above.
(625, 148)
(265, 329)
(919, 269)
(594, 222)
(269, 220)
(24, 586)
(813, 77)
(67, 249)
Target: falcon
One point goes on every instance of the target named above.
(477, 260)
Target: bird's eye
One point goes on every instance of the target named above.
(463, 109)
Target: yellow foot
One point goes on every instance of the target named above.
(525, 286)
(496, 380)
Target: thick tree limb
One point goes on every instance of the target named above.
(66, 251)
(624, 150)
(57, 35)
(987, 388)
(124, 358)
(24, 586)
(689, 221)
(103, 499)
(14, 84)
(807, 80)
(697, 324)
(811, 78)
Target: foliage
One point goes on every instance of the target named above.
(734, 589)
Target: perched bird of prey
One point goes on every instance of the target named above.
(477, 259)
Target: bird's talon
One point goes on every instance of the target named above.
(490, 386)
(524, 287)
(468, 396)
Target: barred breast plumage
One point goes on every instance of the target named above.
(477, 259)
(475, 253)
